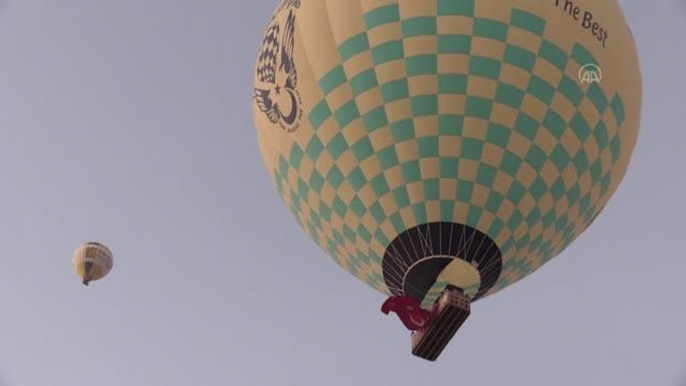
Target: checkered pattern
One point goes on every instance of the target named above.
(479, 121)
(289, 4)
(266, 62)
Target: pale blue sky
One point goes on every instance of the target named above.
(129, 122)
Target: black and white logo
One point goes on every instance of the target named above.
(276, 92)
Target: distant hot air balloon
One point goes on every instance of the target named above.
(92, 261)
(441, 150)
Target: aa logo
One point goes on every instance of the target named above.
(590, 73)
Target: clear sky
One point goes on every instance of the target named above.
(129, 122)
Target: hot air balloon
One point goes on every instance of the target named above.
(442, 150)
(92, 261)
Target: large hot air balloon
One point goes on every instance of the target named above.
(92, 261)
(441, 150)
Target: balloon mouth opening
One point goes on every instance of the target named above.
(415, 272)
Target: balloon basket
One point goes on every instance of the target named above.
(452, 310)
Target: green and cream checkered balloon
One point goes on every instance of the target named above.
(431, 142)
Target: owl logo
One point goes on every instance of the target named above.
(277, 79)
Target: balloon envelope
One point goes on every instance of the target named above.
(434, 142)
(92, 261)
